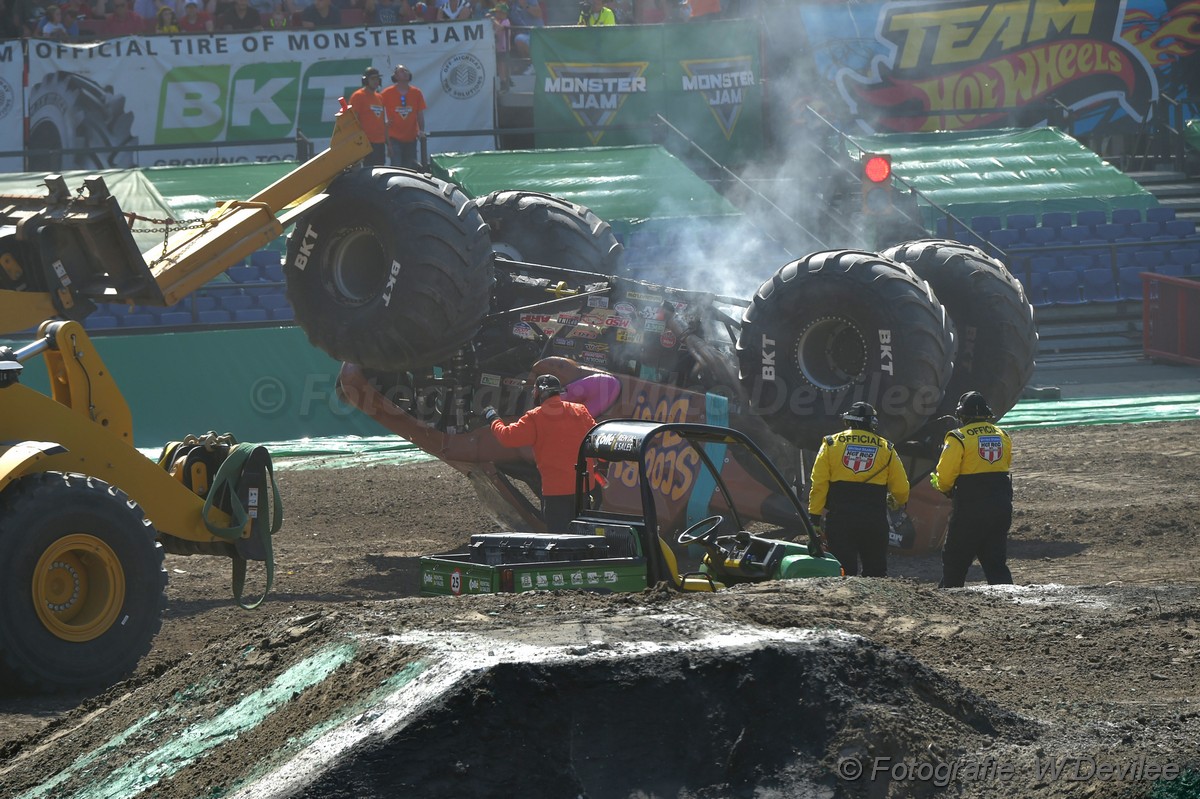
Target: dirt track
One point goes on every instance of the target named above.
(1090, 662)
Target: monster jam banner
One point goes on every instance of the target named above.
(12, 65)
(216, 95)
(606, 85)
(889, 66)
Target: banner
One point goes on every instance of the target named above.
(228, 90)
(12, 64)
(901, 66)
(606, 85)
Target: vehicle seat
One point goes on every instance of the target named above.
(692, 581)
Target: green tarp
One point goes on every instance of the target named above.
(1002, 172)
(632, 183)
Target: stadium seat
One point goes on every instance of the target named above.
(1020, 221)
(203, 303)
(1044, 264)
(985, 224)
(1171, 270)
(1035, 290)
(243, 274)
(1077, 263)
(1099, 285)
(273, 273)
(1160, 214)
(1179, 228)
(1129, 283)
(284, 314)
(1057, 219)
(235, 302)
(1062, 288)
(1003, 238)
(175, 319)
(1073, 234)
(1110, 231)
(214, 317)
(1090, 218)
(99, 321)
(1038, 236)
(1149, 260)
(1126, 216)
(138, 320)
(250, 315)
(1186, 257)
(262, 258)
(1144, 230)
(274, 300)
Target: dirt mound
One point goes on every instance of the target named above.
(1080, 681)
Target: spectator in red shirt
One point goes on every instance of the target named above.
(241, 18)
(194, 20)
(123, 22)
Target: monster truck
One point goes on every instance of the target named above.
(440, 305)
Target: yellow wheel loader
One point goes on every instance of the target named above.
(85, 519)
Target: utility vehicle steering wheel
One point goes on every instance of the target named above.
(702, 532)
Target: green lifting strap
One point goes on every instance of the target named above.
(265, 525)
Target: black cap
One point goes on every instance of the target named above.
(369, 72)
(546, 386)
(862, 416)
(972, 407)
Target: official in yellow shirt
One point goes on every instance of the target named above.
(853, 474)
(974, 471)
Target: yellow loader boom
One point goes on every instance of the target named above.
(60, 254)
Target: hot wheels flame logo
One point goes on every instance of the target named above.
(968, 64)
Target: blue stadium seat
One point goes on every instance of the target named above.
(1003, 238)
(1099, 285)
(243, 274)
(138, 320)
(235, 302)
(1144, 230)
(203, 303)
(1057, 219)
(99, 321)
(1020, 221)
(277, 299)
(1149, 260)
(264, 258)
(1171, 270)
(214, 317)
(176, 319)
(1077, 263)
(1091, 218)
(985, 224)
(1179, 228)
(284, 314)
(1035, 290)
(1038, 236)
(1062, 288)
(1186, 257)
(273, 273)
(250, 315)
(1073, 234)
(1160, 214)
(1110, 231)
(1126, 216)
(1129, 283)
(1044, 264)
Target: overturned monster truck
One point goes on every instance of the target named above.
(440, 305)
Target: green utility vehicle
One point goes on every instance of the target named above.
(623, 551)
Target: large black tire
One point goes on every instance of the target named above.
(542, 229)
(392, 272)
(997, 337)
(842, 326)
(68, 111)
(82, 584)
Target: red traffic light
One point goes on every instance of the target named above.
(877, 168)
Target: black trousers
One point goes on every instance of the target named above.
(851, 540)
(977, 530)
(558, 512)
(377, 157)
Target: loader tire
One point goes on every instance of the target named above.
(542, 229)
(68, 111)
(82, 584)
(392, 272)
(997, 337)
(842, 326)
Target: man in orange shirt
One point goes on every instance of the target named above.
(368, 106)
(554, 429)
(405, 118)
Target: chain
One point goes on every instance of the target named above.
(211, 440)
(168, 224)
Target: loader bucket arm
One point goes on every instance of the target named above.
(70, 252)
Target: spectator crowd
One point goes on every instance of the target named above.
(88, 20)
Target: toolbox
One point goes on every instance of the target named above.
(500, 548)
